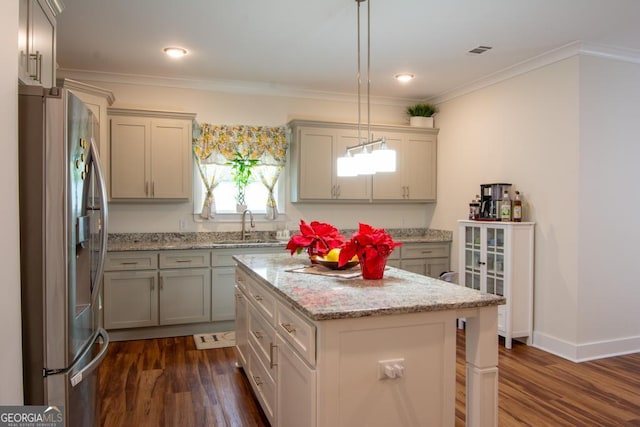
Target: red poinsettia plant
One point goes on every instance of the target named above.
(318, 238)
(367, 243)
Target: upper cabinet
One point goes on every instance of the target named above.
(314, 156)
(98, 100)
(415, 176)
(316, 146)
(150, 155)
(37, 41)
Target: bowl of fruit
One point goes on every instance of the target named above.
(330, 260)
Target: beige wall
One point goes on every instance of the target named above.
(10, 331)
(565, 135)
(609, 202)
(218, 107)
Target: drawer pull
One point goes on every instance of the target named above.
(257, 298)
(257, 380)
(257, 334)
(129, 263)
(271, 347)
(183, 260)
(288, 327)
(426, 252)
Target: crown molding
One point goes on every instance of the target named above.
(179, 115)
(87, 88)
(555, 55)
(225, 86)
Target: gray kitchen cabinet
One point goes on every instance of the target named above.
(185, 296)
(316, 146)
(426, 258)
(37, 42)
(315, 155)
(150, 154)
(131, 290)
(223, 296)
(143, 289)
(415, 176)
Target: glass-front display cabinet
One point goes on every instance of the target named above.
(497, 258)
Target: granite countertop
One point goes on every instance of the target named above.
(213, 240)
(324, 298)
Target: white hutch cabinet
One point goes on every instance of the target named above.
(497, 258)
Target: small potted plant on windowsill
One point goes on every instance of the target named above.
(241, 171)
(421, 115)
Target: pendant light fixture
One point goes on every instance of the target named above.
(373, 155)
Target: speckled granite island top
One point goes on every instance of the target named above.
(324, 298)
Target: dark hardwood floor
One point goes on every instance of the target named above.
(167, 382)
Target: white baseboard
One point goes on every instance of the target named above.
(589, 351)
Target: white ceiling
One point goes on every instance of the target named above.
(310, 45)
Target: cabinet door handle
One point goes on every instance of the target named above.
(161, 283)
(482, 263)
(153, 287)
(257, 380)
(337, 191)
(408, 194)
(271, 363)
(153, 189)
(257, 298)
(146, 188)
(257, 334)
(288, 327)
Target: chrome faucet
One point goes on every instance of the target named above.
(245, 233)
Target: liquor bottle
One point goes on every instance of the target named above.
(505, 207)
(517, 208)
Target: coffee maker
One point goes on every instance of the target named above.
(490, 197)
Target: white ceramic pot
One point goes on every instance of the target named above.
(421, 122)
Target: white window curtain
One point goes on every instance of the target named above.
(222, 144)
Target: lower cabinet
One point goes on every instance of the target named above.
(296, 396)
(185, 296)
(145, 289)
(428, 259)
(130, 299)
(276, 347)
(139, 291)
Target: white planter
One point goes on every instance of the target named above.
(421, 122)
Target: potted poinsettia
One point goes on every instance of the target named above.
(372, 246)
(317, 238)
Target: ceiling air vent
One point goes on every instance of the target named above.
(480, 49)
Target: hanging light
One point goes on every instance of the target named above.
(369, 159)
(347, 166)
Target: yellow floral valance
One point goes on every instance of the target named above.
(220, 144)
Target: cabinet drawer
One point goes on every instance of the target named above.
(425, 250)
(117, 261)
(297, 332)
(263, 301)
(242, 281)
(184, 259)
(263, 385)
(263, 338)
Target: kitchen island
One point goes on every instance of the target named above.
(335, 351)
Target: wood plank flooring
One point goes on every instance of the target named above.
(167, 382)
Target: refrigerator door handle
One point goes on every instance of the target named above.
(103, 219)
(76, 378)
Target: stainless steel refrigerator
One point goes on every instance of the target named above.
(63, 218)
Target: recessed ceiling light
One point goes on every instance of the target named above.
(404, 77)
(175, 52)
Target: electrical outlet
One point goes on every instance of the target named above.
(390, 369)
(182, 224)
